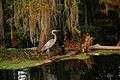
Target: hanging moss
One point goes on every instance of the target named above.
(71, 8)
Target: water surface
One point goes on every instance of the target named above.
(102, 68)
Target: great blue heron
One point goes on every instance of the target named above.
(50, 43)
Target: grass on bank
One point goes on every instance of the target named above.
(21, 58)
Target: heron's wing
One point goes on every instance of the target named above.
(48, 45)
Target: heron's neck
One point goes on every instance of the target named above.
(55, 37)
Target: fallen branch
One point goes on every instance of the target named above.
(96, 47)
(99, 47)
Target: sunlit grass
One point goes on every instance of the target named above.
(7, 64)
(81, 56)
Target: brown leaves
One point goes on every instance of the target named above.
(86, 42)
(110, 5)
(71, 44)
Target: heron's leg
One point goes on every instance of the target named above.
(48, 52)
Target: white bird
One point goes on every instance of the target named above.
(50, 43)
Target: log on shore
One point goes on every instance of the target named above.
(99, 47)
(96, 47)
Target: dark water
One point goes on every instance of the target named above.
(102, 68)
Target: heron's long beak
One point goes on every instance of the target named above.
(57, 30)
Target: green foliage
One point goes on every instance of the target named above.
(87, 28)
(19, 64)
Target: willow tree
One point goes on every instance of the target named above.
(21, 22)
(24, 22)
(1, 26)
(72, 23)
(32, 21)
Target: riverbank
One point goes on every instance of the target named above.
(19, 58)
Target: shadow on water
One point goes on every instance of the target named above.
(104, 68)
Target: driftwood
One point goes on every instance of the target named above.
(99, 47)
(96, 47)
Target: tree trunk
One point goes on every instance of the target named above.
(51, 18)
(99, 47)
(1, 26)
(45, 21)
(71, 8)
(13, 32)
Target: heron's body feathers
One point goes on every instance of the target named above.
(48, 45)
